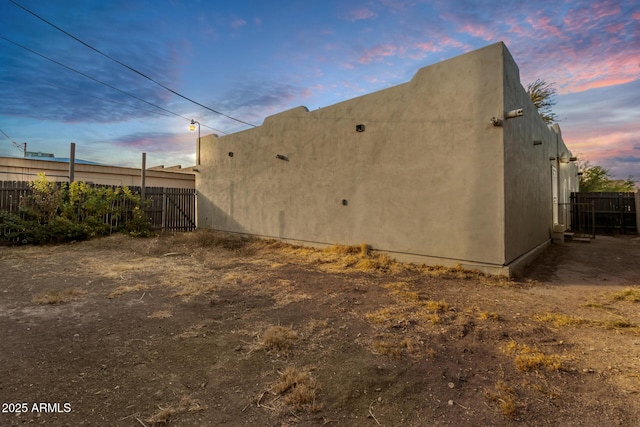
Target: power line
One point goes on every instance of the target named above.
(98, 81)
(105, 99)
(8, 137)
(22, 146)
(129, 67)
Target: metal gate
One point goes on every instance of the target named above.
(604, 213)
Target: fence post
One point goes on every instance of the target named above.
(143, 176)
(72, 162)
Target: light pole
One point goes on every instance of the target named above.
(192, 127)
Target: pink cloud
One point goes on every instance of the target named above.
(479, 31)
(371, 79)
(378, 52)
(580, 20)
(615, 28)
(603, 9)
(428, 47)
(636, 16)
(545, 27)
(361, 14)
(600, 143)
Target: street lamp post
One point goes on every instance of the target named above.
(192, 127)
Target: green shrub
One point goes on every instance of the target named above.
(13, 228)
(56, 213)
(139, 225)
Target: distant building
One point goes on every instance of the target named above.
(37, 154)
(454, 167)
(57, 169)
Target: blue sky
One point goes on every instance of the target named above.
(251, 59)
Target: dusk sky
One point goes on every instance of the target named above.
(252, 59)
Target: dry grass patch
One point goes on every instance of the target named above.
(409, 309)
(390, 345)
(400, 290)
(629, 294)
(160, 314)
(531, 359)
(437, 306)
(295, 390)
(318, 328)
(489, 315)
(560, 320)
(237, 278)
(504, 399)
(338, 258)
(290, 298)
(186, 404)
(59, 297)
(278, 338)
(406, 313)
(193, 289)
(121, 290)
(363, 257)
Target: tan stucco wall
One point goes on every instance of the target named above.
(527, 171)
(16, 169)
(430, 176)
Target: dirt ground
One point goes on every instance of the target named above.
(203, 329)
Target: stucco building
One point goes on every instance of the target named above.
(432, 170)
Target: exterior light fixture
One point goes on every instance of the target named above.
(573, 159)
(192, 127)
(514, 113)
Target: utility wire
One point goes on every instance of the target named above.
(8, 137)
(22, 146)
(105, 99)
(129, 67)
(96, 80)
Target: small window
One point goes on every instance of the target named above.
(360, 128)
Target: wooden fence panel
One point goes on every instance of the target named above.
(169, 209)
(613, 213)
(11, 192)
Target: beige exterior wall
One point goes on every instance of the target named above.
(426, 180)
(16, 169)
(528, 171)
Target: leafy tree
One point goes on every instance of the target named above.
(595, 178)
(543, 95)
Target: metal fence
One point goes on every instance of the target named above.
(604, 213)
(169, 209)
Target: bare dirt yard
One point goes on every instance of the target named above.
(203, 329)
